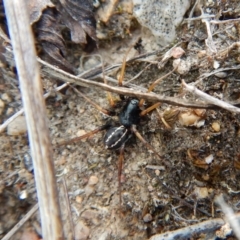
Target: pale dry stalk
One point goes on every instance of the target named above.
(34, 108)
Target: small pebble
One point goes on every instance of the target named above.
(150, 188)
(188, 118)
(202, 53)
(216, 126)
(71, 105)
(17, 127)
(81, 132)
(224, 231)
(90, 214)
(183, 66)
(9, 111)
(23, 194)
(82, 232)
(2, 105)
(61, 161)
(201, 192)
(157, 172)
(221, 74)
(147, 218)
(5, 97)
(216, 64)
(78, 199)
(209, 159)
(177, 52)
(88, 190)
(93, 180)
(28, 162)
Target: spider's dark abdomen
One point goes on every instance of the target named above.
(116, 137)
(130, 114)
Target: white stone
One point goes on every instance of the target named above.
(82, 232)
(17, 127)
(93, 180)
(201, 192)
(161, 17)
(2, 105)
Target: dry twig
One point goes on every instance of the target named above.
(20, 223)
(21, 111)
(34, 108)
(210, 99)
(53, 72)
(231, 218)
(190, 231)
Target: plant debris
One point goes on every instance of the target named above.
(195, 129)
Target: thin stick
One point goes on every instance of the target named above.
(84, 136)
(54, 72)
(229, 214)
(209, 41)
(9, 176)
(139, 136)
(153, 85)
(67, 77)
(210, 99)
(98, 107)
(122, 73)
(64, 76)
(34, 108)
(21, 111)
(9, 120)
(225, 21)
(20, 223)
(68, 207)
(206, 75)
(190, 231)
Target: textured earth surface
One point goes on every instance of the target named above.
(199, 162)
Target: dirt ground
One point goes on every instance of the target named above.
(203, 161)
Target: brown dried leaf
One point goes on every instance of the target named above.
(49, 33)
(78, 17)
(197, 161)
(36, 8)
(170, 116)
(75, 15)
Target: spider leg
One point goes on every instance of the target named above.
(153, 85)
(140, 137)
(120, 167)
(121, 77)
(87, 135)
(149, 109)
(98, 107)
(109, 95)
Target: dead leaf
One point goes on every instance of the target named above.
(78, 17)
(36, 8)
(49, 34)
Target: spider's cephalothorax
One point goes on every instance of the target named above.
(130, 114)
(116, 137)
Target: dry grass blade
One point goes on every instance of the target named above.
(210, 99)
(32, 96)
(188, 232)
(229, 214)
(21, 111)
(21, 223)
(49, 70)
